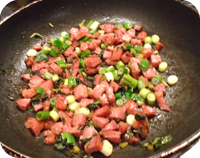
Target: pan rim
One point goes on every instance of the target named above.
(175, 149)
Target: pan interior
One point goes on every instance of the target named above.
(178, 28)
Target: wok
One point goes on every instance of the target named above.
(179, 30)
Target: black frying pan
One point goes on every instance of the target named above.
(179, 29)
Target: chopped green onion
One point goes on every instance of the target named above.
(74, 106)
(82, 23)
(50, 24)
(75, 149)
(47, 75)
(109, 76)
(141, 84)
(54, 52)
(45, 50)
(70, 99)
(119, 102)
(58, 43)
(66, 82)
(139, 56)
(155, 52)
(144, 92)
(162, 66)
(128, 94)
(78, 50)
(63, 66)
(54, 115)
(37, 34)
(118, 25)
(138, 48)
(172, 79)
(85, 38)
(95, 25)
(156, 79)
(144, 65)
(128, 26)
(55, 77)
(85, 54)
(133, 52)
(110, 69)
(70, 140)
(155, 38)
(40, 90)
(52, 102)
(119, 64)
(90, 23)
(102, 70)
(148, 40)
(92, 32)
(126, 70)
(101, 32)
(118, 95)
(62, 61)
(43, 115)
(123, 145)
(151, 98)
(130, 81)
(62, 39)
(104, 46)
(166, 85)
(72, 81)
(121, 71)
(41, 57)
(115, 75)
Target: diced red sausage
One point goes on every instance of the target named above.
(85, 101)
(126, 38)
(155, 60)
(28, 93)
(100, 121)
(131, 107)
(26, 77)
(113, 136)
(98, 79)
(92, 61)
(108, 28)
(118, 113)
(115, 86)
(88, 132)
(160, 87)
(67, 120)
(29, 61)
(123, 127)
(142, 35)
(110, 62)
(103, 111)
(149, 73)
(91, 71)
(110, 95)
(97, 91)
(136, 42)
(35, 82)
(75, 68)
(132, 140)
(131, 33)
(57, 128)
(147, 52)
(104, 100)
(116, 55)
(57, 69)
(108, 38)
(159, 46)
(138, 27)
(160, 100)
(126, 57)
(149, 111)
(94, 145)
(46, 105)
(107, 54)
(47, 85)
(79, 120)
(24, 103)
(50, 139)
(80, 92)
(112, 125)
(61, 102)
(35, 125)
(37, 48)
(134, 68)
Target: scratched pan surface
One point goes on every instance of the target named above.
(179, 29)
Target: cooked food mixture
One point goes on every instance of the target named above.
(94, 87)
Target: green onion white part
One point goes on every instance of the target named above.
(107, 148)
(130, 119)
(172, 79)
(95, 25)
(162, 66)
(155, 38)
(31, 53)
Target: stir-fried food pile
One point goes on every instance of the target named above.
(95, 86)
